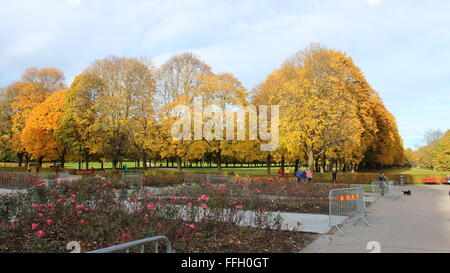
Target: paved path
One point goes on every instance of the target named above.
(420, 223)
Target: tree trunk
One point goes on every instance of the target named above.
(178, 164)
(144, 160)
(40, 160)
(268, 164)
(62, 158)
(311, 160)
(282, 163)
(20, 159)
(219, 161)
(114, 164)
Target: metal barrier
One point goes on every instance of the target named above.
(140, 243)
(346, 203)
(16, 181)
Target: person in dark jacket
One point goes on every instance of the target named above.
(382, 179)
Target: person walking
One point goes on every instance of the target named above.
(280, 172)
(304, 176)
(125, 168)
(299, 175)
(309, 176)
(382, 179)
(286, 174)
(334, 175)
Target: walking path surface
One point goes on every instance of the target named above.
(417, 223)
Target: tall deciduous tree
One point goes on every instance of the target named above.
(125, 82)
(42, 136)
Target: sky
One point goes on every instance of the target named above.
(402, 46)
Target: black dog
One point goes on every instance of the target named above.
(407, 193)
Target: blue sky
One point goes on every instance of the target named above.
(403, 46)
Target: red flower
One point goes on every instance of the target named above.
(125, 236)
(203, 198)
(40, 233)
(191, 226)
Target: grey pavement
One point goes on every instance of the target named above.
(419, 223)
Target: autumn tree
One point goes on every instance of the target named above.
(330, 112)
(442, 156)
(176, 79)
(127, 85)
(51, 79)
(80, 116)
(42, 137)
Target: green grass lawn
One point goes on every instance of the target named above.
(413, 171)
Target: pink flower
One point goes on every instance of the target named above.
(203, 198)
(35, 206)
(34, 226)
(174, 198)
(191, 226)
(104, 185)
(204, 206)
(74, 196)
(40, 233)
(82, 221)
(125, 236)
(138, 210)
(49, 221)
(146, 216)
(40, 215)
(59, 201)
(86, 210)
(151, 206)
(189, 204)
(240, 207)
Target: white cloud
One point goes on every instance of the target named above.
(73, 2)
(374, 3)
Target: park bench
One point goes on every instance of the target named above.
(430, 181)
(63, 176)
(86, 172)
(133, 178)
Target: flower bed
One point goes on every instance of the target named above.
(98, 213)
(276, 195)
